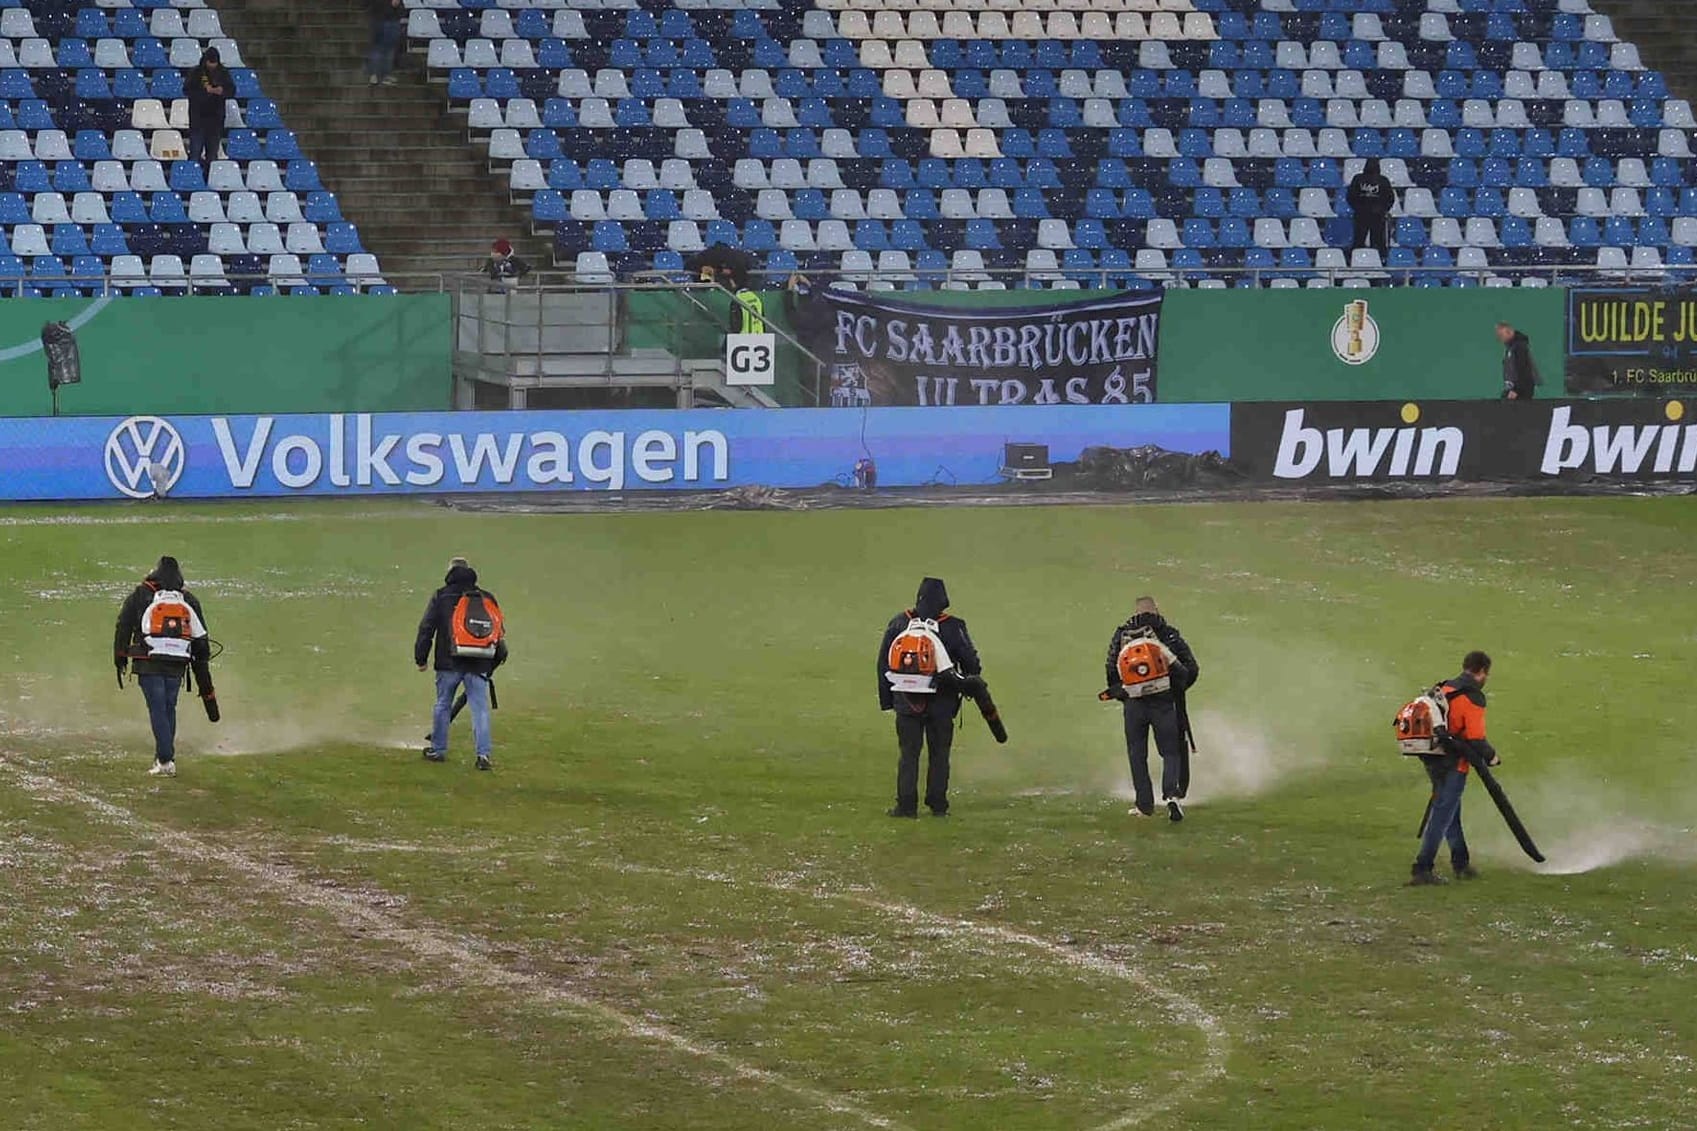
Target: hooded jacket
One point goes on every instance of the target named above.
(932, 600)
(128, 645)
(1371, 192)
(206, 109)
(1520, 372)
(1166, 634)
(437, 626)
(1466, 722)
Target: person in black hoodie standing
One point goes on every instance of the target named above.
(1371, 197)
(1161, 712)
(162, 645)
(208, 87)
(1520, 372)
(436, 631)
(925, 719)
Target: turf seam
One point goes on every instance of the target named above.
(353, 912)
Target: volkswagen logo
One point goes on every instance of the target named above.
(144, 457)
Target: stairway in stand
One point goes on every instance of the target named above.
(1666, 37)
(399, 162)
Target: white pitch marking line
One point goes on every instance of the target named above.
(1216, 1042)
(464, 952)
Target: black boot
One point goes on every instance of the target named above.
(1425, 877)
(1467, 872)
(898, 811)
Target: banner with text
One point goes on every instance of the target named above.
(212, 457)
(1343, 442)
(885, 351)
(1637, 340)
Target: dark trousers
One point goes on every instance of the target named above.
(385, 48)
(1158, 713)
(204, 140)
(160, 692)
(1444, 823)
(1371, 231)
(930, 729)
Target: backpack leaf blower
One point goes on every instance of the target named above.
(1510, 817)
(1504, 806)
(974, 688)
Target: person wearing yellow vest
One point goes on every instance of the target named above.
(748, 309)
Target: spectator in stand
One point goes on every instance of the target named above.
(386, 17)
(505, 268)
(208, 87)
(1371, 197)
(1520, 372)
(748, 308)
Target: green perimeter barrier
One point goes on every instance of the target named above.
(218, 355)
(1434, 343)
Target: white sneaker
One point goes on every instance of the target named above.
(164, 769)
(1134, 811)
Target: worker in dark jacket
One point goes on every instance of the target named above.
(1161, 711)
(1371, 197)
(161, 636)
(208, 87)
(1448, 771)
(923, 657)
(454, 670)
(1520, 372)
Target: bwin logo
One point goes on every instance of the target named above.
(144, 457)
(1363, 453)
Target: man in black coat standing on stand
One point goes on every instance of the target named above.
(208, 87)
(922, 659)
(1371, 197)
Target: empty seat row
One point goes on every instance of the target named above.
(1022, 23)
(111, 54)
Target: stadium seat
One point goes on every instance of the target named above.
(1004, 126)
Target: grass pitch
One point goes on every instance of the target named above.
(677, 904)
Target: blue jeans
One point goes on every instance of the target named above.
(477, 702)
(380, 60)
(161, 692)
(1445, 821)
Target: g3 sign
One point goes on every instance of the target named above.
(750, 359)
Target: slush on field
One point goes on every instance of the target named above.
(677, 901)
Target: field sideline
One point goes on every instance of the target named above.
(677, 902)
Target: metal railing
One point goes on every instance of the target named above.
(696, 292)
(551, 329)
(1108, 278)
(114, 286)
(453, 282)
